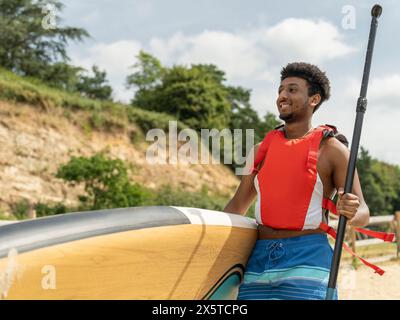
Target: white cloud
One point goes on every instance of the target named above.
(385, 89)
(251, 58)
(233, 53)
(255, 52)
(168, 49)
(307, 40)
(263, 100)
(382, 91)
(380, 133)
(380, 120)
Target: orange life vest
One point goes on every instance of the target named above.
(290, 191)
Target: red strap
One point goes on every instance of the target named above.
(262, 150)
(328, 204)
(329, 230)
(314, 147)
(332, 127)
(385, 236)
(312, 158)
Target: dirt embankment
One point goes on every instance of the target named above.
(35, 143)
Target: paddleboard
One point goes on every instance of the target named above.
(155, 252)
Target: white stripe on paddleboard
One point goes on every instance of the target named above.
(217, 218)
(4, 222)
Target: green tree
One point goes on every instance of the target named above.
(195, 94)
(61, 75)
(245, 117)
(28, 46)
(168, 196)
(105, 181)
(95, 87)
(267, 123)
(198, 96)
(380, 183)
(147, 74)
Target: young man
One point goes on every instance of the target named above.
(297, 168)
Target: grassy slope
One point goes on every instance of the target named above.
(27, 90)
(103, 116)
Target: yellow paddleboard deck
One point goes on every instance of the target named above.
(130, 253)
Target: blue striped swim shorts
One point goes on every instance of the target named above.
(288, 269)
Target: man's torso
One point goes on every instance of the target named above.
(325, 169)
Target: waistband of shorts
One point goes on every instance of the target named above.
(316, 238)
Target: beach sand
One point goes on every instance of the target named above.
(364, 284)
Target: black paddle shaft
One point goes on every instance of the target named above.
(361, 108)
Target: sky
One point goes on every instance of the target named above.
(251, 41)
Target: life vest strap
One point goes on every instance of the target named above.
(319, 133)
(312, 158)
(385, 236)
(329, 230)
(262, 150)
(328, 204)
(332, 127)
(313, 151)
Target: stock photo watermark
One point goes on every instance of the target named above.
(188, 147)
(13, 272)
(49, 20)
(49, 280)
(349, 18)
(10, 274)
(348, 282)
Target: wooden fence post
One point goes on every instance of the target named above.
(397, 217)
(31, 211)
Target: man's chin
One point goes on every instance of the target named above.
(286, 117)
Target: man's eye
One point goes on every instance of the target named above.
(292, 90)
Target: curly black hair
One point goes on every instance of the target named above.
(317, 80)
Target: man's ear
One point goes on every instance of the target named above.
(315, 100)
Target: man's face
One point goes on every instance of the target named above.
(293, 101)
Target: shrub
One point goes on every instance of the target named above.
(105, 181)
(43, 210)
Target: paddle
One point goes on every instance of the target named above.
(361, 108)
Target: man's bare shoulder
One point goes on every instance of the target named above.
(334, 150)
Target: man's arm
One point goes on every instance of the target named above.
(246, 192)
(351, 205)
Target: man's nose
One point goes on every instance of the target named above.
(282, 95)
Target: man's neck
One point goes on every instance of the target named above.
(296, 130)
